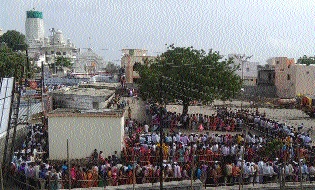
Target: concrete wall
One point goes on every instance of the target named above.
(293, 79)
(260, 90)
(77, 102)
(305, 79)
(64, 81)
(85, 134)
(175, 185)
(285, 86)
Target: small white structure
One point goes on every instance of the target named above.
(85, 132)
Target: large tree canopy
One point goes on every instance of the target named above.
(11, 63)
(14, 40)
(187, 74)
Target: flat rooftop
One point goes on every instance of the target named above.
(101, 85)
(84, 91)
(66, 112)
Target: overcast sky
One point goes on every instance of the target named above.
(260, 28)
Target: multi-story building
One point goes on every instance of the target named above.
(247, 71)
(130, 57)
(266, 75)
(292, 79)
(45, 49)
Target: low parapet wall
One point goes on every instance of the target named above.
(174, 185)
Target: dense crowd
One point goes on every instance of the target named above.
(213, 156)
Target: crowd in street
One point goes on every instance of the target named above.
(213, 153)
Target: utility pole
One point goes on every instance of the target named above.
(161, 138)
(52, 30)
(300, 167)
(69, 165)
(242, 58)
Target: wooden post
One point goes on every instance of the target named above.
(300, 167)
(192, 169)
(134, 171)
(69, 166)
(2, 188)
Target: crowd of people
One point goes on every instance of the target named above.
(208, 154)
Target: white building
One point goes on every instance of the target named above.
(1, 32)
(88, 62)
(85, 132)
(46, 49)
(248, 71)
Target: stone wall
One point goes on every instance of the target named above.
(261, 91)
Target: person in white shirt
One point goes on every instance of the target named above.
(261, 166)
(272, 173)
(266, 173)
(146, 128)
(312, 173)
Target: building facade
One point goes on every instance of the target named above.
(266, 75)
(292, 79)
(85, 132)
(130, 57)
(247, 71)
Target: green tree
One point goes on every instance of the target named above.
(306, 60)
(111, 67)
(11, 63)
(187, 74)
(63, 62)
(14, 40)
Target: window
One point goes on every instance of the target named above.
(277, 62)
(95, 105)
(247, 69)
(288, 77)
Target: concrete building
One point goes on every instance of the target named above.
(130, 57)
(247, 71)
(266, 75)
(85, 132)
(292, 79)
(84, 97)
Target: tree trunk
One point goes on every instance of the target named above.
(185, 107)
